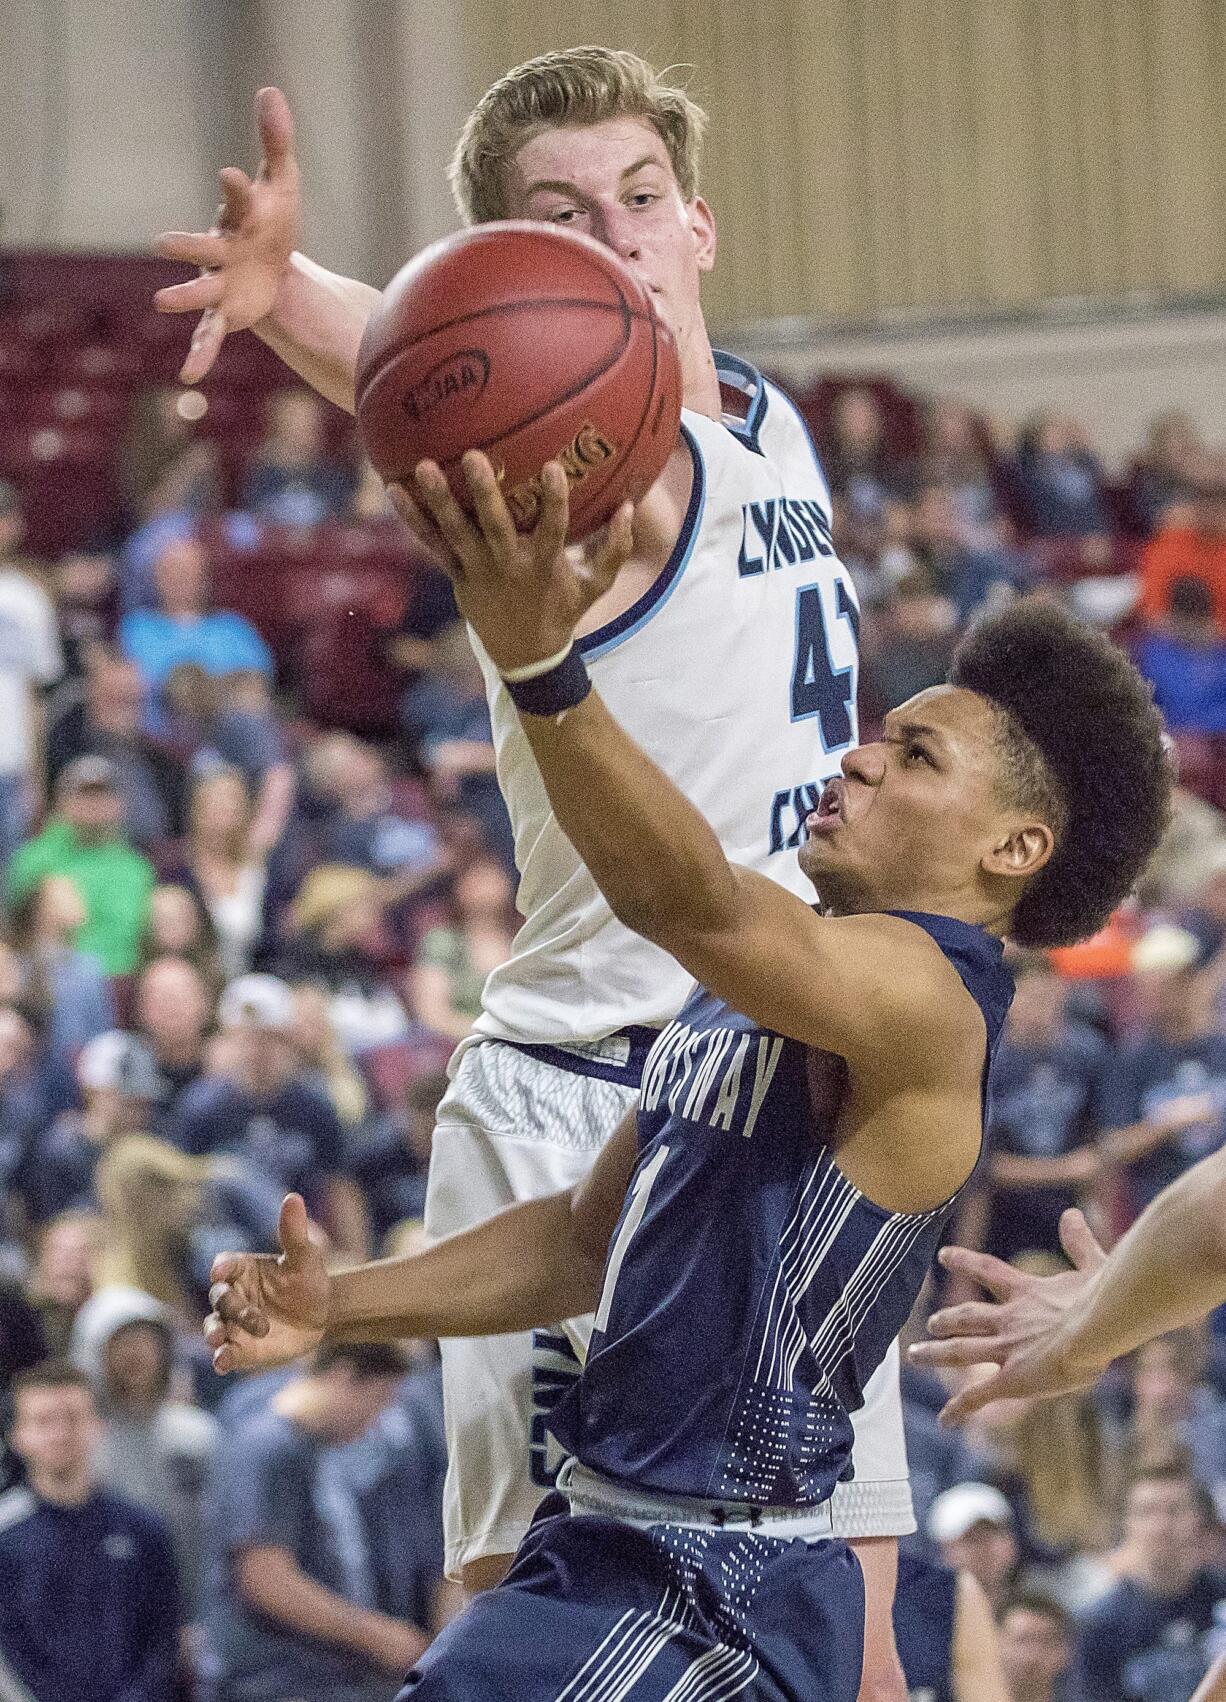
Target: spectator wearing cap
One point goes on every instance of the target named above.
(292, 1591)
(183, 628)
(156, 1450)
(84, 841)
(1193, 546)
(1036, 1647)
(31, 660)
(118, 1082)
(1141, 1641)
(268, 1111)
(89, 1595)
(974, 1530)
(1184, 659)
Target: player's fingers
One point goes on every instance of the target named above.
(225, 1359)
(226, 1266)
(459, 533)
(192, 297)
(233, 1308)
(492, 511)
(1079, 1241)
(423, 529)
(198, 248)
(276, 125)
(972, 1318)
(615, 547)
(207, 338)
(988, 1271)
(549, 533)
(216, 1331)
(294, 1229)
(235, 197)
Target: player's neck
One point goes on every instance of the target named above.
(699, 379)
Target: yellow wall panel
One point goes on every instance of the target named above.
(868, 155)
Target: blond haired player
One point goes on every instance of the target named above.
(728, 641)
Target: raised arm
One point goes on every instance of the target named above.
(1050, 1334)
(874, 989)
(530, 1265)
(253, 278)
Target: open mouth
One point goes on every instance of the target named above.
(829, 809)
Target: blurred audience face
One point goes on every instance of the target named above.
(16, 1043)
(12, 522)
(1174, 443)
(181, 575)
(345, 770)
(858, 425)
(137, 1365)
(1165, 1373)
(1163, 1532)
(483, 891)
(262, 1058)
(1058, 434)
(64, 1270)
(95, 813)
(937, 524)
(175, 925)
(951, 430)
(352, 1403)
(1191, 617)
(173, 1007)
(295, 425)
(1037, 1012)
(1035, 1650)
(247, 689)
(113, 693)
(55, 1433)
(111, 1113)
(1211, 498)
(220, 811)
(988, 1552)
(190, 694)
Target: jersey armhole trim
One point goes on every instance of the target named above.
(804, 426)
(625, 625)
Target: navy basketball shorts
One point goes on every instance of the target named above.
(597, 1610)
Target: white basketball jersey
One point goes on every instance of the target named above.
(736, 672)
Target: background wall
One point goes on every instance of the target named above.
(866, 156)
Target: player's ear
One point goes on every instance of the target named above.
(702, 229)
(1021, 851)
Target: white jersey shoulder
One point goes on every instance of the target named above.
(737, 672)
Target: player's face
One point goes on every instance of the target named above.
(614, 181)
(916, 823)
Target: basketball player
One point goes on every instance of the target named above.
(726, 643)
(756, 1237)
(1051, 1334)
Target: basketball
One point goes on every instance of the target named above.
(531, 344)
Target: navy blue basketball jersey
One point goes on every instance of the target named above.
(750, 1289)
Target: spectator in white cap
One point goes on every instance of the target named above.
(117, 1078)
(973, 1526)
(261, 1105)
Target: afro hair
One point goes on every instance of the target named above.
(1077, 721)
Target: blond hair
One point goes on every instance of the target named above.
(579, 85)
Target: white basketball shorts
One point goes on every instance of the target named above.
(517, 1125)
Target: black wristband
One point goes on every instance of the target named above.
(549, 694)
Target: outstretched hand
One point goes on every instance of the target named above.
(1023, 1329)
(268, 1308)
(523, 593)
(246, 253)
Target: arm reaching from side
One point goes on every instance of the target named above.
(252, 276)
(532, 1264)
(1050, 1334)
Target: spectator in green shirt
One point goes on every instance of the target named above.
(84, 841)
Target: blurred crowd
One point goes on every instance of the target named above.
(241, 938)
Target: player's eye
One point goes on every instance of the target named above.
(916, 753)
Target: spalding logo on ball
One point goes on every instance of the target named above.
(531, 344)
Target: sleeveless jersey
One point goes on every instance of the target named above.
(736, 672)
(750, 1289)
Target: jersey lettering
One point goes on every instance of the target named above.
(781, 532)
